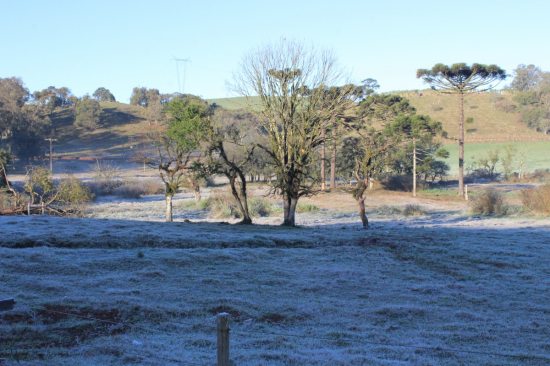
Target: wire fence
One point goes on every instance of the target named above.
(246, 333)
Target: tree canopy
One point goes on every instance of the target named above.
(292, 81)
(461, 78)
(102, 94)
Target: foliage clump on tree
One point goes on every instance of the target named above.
(88, 113)
(416, 133)
(179, 145)
(532, 86)
(102, 94)
(51, 98)
(461, 79)
(22, 124)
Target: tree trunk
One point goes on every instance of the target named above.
(359, 195)
(461, 148)
(169, 217)
(242, 201)
(323, 173)
(289, 207)
(333, 160)
(414, 167)
(197, 192)
(362, 213)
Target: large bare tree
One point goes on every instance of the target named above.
(461, 79)
(291, 80)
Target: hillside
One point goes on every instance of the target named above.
(495, 123)
(122, 128)
(493, 116)
(495, 119)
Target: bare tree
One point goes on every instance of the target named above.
(290, 81)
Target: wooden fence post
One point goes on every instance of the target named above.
(223, 339)
(466, 192)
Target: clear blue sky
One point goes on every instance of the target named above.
(121, 44)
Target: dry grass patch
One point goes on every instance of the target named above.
(537, 199)
(489, 202)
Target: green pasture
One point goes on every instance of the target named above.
(535, 154)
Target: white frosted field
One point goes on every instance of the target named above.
(121, 287)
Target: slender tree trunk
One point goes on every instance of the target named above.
(323, 173)
(414, 167)
(169, 217)
(362, 213)
(461, 149)
(359, 195)
(289, 208)
(242, 201)
(333, 160)
(197, 191)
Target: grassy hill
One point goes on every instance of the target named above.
(122, 127)
(494, 123)
(493, 115)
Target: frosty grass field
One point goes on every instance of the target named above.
(123, 288)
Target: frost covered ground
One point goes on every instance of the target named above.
(123, 288)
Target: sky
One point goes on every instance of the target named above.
(122, 44)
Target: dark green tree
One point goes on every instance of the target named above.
(414, 130)
(103, 95)
(532, 86)
(179, 146)
(461, 79)
(51, 98)
(139, 96)
(88, 113)
(22, 124)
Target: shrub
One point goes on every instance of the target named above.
(71, 191)
(128, 190)
(489, 202)
(401, 183)
(387, 210)
(540, 175)
(413, 210)
(106, 179)
(7, 199)
(73, 194)
(306, 207)
(537, 199)
(138, 188)
(260, 207)
(222, 205)
(39, 184)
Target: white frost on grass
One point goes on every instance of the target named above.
(324, 294)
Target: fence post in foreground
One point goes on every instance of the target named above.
(223, 339)
(466, 192)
